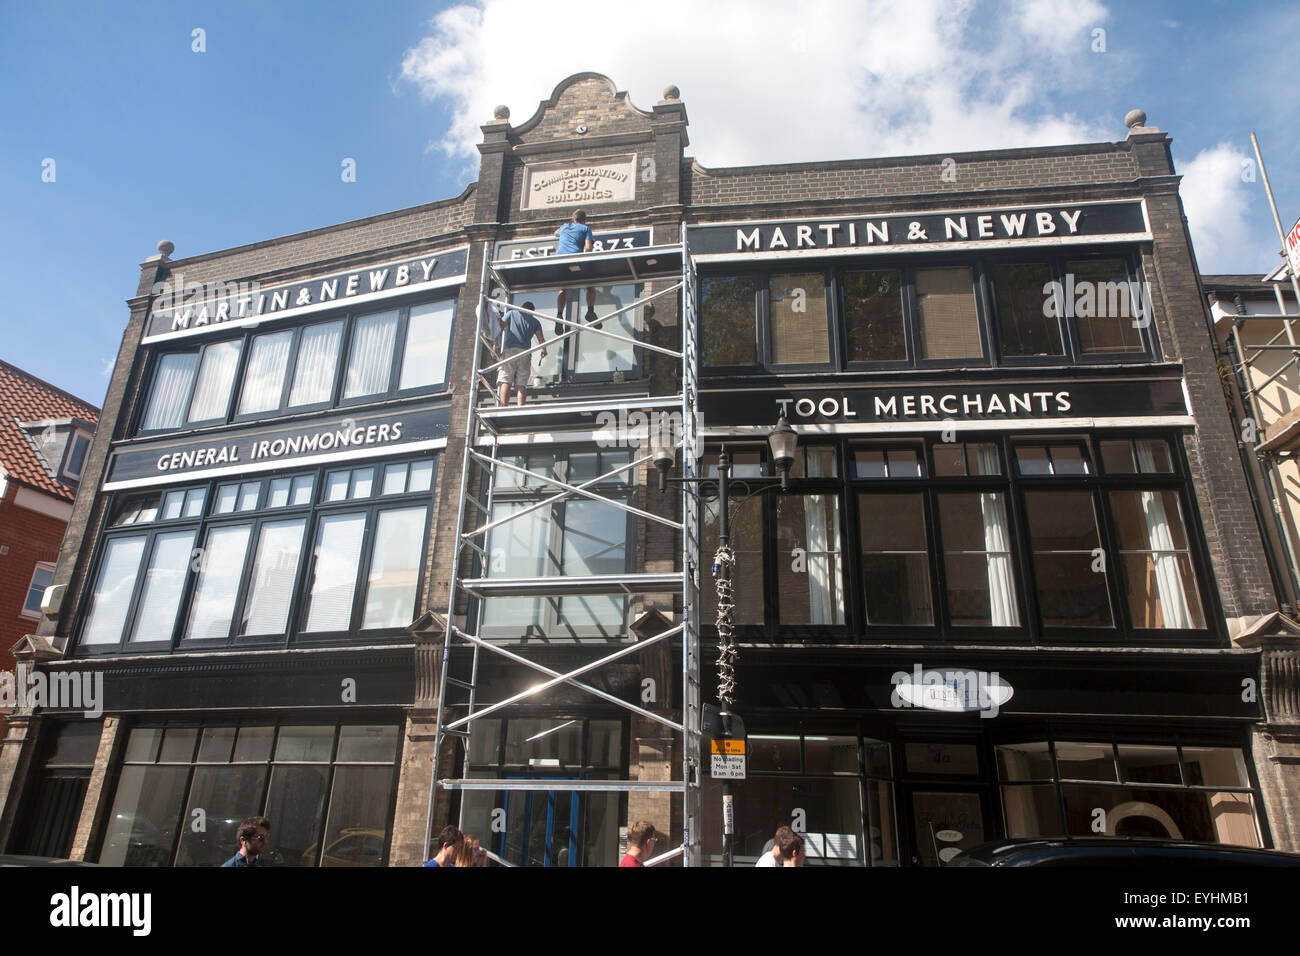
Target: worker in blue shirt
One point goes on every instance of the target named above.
(575, 236)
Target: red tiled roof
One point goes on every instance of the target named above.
(26, 398)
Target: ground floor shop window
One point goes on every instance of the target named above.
(182, 791)
(1164, 792)
(553, 825)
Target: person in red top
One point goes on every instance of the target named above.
(640, 843)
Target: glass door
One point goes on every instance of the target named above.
(945, 822)
(541, 828)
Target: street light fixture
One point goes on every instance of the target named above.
(783, 441)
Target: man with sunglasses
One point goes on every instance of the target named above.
(252, 841)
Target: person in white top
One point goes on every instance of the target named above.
(787, 850)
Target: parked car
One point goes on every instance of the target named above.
(1118, 851)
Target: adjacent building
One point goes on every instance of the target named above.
(1016, 585)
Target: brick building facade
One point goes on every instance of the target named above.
(998, 482)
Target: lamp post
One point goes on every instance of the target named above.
(782, 440)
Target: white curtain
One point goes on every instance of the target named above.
(997, 545)
(822, 534)
(171, 383)
(1164, 555)
(318, 356)
(371, 361)
(275, 569)
(216, 376)
(264, 376)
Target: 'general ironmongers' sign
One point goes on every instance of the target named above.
(181, 308)
(273, 447)
(956, 229)
(1017, 401)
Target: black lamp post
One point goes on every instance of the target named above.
(782, 440)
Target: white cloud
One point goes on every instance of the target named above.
(838, 80)
(1227, 237)
(106, 367)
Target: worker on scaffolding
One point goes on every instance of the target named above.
(520, 329)
(575, 236)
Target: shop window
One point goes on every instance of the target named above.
(42, 578)
(1157, 562)
(1109, 310)
(966, 459)
(947, 321)
(873, 316)
(728, 309)
(1069, 566)
(246, 564)
(328, 791)
(895, 559)
(809, 573)
(797, 318)
(393, 352)
(904, 462)
(977, 559)
(1142, 456)
(577, 536)
(1056, 460)
(1027, 324)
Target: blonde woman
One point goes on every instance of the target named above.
(471, 854)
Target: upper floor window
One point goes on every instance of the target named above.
(42, 578)
(342, 361)
(74, 465)
(1026, 537)
(588, 356)
(1002, 311)
(573, 537)
(241, 561)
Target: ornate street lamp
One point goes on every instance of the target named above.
(783, 441)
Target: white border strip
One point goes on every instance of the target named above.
(1000, 424)
(268, 317)
(350, 455)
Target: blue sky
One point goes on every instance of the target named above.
(244, 141)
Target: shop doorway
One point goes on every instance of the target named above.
(945, 821)
(542, 827)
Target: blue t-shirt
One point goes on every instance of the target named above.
(573, 238)
(520, 329)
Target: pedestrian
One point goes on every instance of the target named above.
(787, 848)
(252, 842)
(520, 329)
(575, 236)
(471, 854)
(641, 839)
(449, 842)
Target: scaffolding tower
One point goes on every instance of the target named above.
(488, 428)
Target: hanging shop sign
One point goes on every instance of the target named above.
(183, 308)
(279, 446)
(1293, 248)
(1124, 220)
(1011, 401)
(544, 246)
(953, 690)
(582, 182)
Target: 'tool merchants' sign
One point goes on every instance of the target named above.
(582, 182)
(542, 247)
(880, 404)
(279, 446)
(1057, 224)
(191, 308)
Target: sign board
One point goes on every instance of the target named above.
(727, 767)
(585, 182)
(1002, 226)
(183, 308)
(544, 246)
(1293, 248)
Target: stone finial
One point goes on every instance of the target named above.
(166, 247)
(672, 93)
(1135, 118)
(501, 113)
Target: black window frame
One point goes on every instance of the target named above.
(550, 628)
(201, 526)
(283, 409)
(984, 298)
